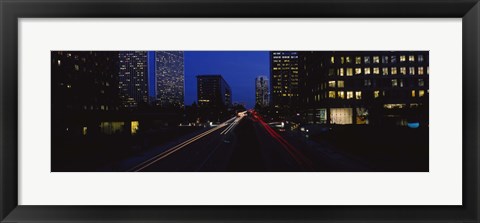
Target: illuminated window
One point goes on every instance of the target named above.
(393, 106)
(134, 127)
(367, 70)
(421, 83)
(342, 60)
(349, 71)
(385, 71)
(358, 71)
(366, 59)
(384, 59)
(401, 82)
(84, 131)
(411, 58)
(413, 93)
(358, 95)
(420, 70)
(403, 58)
(428, 70)
(77, 68)
(420, 58)
(394, 83)
(376, 70)
(332, 59)
(358, 60)
(376, 94)
(411, 70)
(349, 94)
(341, 84)
(59, 62)
(376, 59)
(341, 94)
(421, 93)
(340, 72)
(393, 59)
(393, 70)
(349, 60)
(331, 84)
(403, 70)
(331, 94)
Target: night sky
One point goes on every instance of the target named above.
(238, 68)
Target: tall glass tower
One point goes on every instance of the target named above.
(169, 79)
(284, 77)
(262, 94)
(133, 78)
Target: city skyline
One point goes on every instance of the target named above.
(238, 68)
(122, 111)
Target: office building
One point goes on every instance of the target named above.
(84, 88)
(284, 78)
(169, 79)
(213, 91)
(133, 78)
(366, 87)
(84, 81)
(262, 93)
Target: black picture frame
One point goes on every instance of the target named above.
(12, 10)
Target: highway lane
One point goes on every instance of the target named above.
(198, 153)
(244, 144)
(278, 153)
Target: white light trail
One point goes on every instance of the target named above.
(168, 152)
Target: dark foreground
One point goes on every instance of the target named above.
(248, 144)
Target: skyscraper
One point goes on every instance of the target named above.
(213, 91)
(262, 94)
(284, 78)
(133, 78)
(169, 79)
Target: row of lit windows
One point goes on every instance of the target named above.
(348, 94)
(289, 95)
(101, 107)
(284, 91)
(377, 59)
(378, 70)
(285, 66)
(368, 82)
(376, 94)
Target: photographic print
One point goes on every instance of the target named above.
(240, 111)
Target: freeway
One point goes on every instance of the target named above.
(245, 143)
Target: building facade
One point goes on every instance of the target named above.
(169, 79)
(366, 87)
(213, 91)
(285, 79)
(262, 93)
(133, 78)
(84, 84)
(85, 80)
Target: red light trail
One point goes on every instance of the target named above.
(299, 157)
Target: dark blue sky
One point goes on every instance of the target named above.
(238, 68)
